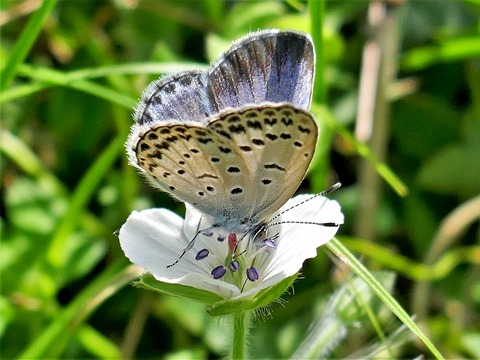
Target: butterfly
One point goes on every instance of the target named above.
(234, 141)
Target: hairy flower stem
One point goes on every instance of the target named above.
(241, 324)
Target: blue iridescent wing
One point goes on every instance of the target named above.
(265, 66)
(177, 97)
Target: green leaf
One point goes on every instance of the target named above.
(471, 343)
(98, 344)
(455, 49)
(350, 303)
(25, 42)
(356, 267)
(455, 170)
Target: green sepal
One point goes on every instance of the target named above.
(147, 281)
(257, 300)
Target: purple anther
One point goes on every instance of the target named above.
(221, 238)
(270, 243)
(218, 272)
(234, 265)
(202, 254)
(252, 274)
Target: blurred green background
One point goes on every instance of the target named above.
(402, 77)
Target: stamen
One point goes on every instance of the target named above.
(202, 254)
(221, 238)
(234, 265)
(252, 274)
(269, 243)
(218, 272)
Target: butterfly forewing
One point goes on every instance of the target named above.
(245, 164)
(266, 66)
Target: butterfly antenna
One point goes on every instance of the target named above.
(327, 224)
(324, 192)
(189, 246)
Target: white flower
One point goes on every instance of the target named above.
(155, 238)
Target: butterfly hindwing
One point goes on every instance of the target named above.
(265, 66)
(244, 163)
(175, 97)
(276, 143)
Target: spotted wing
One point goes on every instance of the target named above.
(276, 143)
(242, 166)
(265, 66)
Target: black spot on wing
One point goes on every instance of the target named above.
(152, 136)
(234, 119)
(274, 166)
(303, 130)
(157, 155)
(224, 134)
(254, 124)
(237, 129)
(205, 140)
(224, 150)
(163, 145)
(186, 137)
(206, 175)
(269, 121)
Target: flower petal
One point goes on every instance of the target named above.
(300, 238)
(154, 238)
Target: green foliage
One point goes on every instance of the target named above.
(71, 72)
